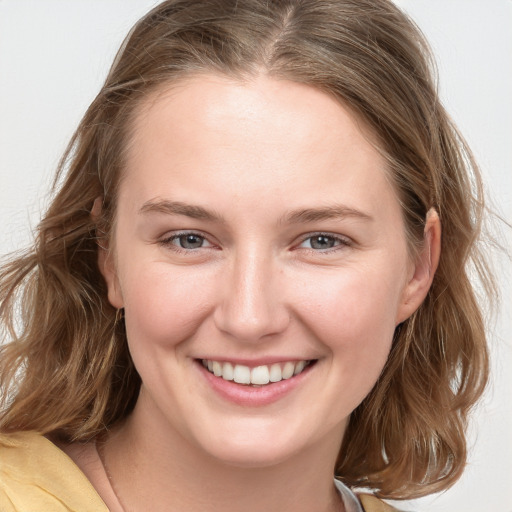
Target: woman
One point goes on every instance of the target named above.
(240, 288)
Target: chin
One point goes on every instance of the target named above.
(257, 447)
(251, 456)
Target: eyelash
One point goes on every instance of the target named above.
(339, 242)
(169, 242)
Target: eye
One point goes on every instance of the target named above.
(190, 241)
(187, 241)
(322, 241)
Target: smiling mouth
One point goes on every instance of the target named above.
(257, 376)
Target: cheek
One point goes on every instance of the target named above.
(162, 307)
(353, 315)
(347, 303)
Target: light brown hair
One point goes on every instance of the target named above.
(67, 369)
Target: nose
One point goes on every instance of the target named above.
(253, 305)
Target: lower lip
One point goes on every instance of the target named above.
(251, 396)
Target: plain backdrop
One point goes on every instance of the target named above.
(54, 55)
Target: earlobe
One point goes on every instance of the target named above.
(105, 262)
(424, 268)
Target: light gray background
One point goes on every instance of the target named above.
(54, 55)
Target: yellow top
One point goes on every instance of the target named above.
(36, 476)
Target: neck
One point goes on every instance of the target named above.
(156, 469)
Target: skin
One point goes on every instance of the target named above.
(254, 155)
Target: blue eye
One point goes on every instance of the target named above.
(190, 241)
(186, 241)
(322, 241)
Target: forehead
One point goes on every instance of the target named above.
(257, 138)
(216, 101)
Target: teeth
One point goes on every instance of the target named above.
(259, 375)
(275, 373)
(288, 370)
(217, 368)
(227, 371)
(299, 367)
(242, 374)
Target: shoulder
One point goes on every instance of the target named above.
(373, 504)
(36, 475)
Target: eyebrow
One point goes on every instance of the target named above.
(336, 212)
(179, 208)
(303, 215)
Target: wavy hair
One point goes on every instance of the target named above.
(66, 369)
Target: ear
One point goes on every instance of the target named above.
(422, 273)
(106, 262)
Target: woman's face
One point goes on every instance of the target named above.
(256, 234)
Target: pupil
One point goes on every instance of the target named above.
(322, 242)
(191, 241)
